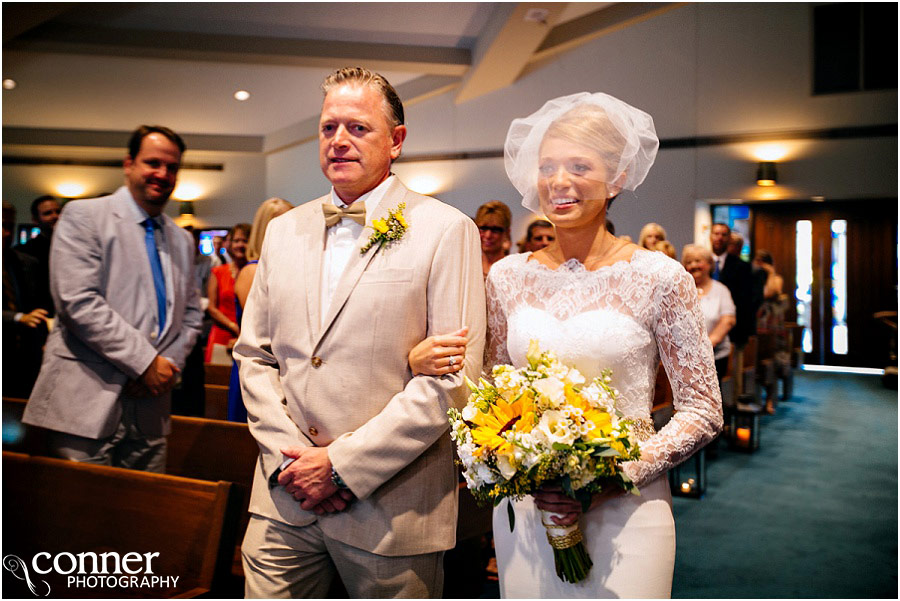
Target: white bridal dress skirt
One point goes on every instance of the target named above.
(631, 540)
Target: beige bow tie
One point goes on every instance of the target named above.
(333, 214)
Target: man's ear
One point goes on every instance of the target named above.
(398, 135)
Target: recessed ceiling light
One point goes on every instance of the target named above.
(9, 84)
(241, 95)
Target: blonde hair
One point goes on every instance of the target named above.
(696, 249)
(267, 211)
(589, 126)
(664, 246)
(647, 230)
(495, 208)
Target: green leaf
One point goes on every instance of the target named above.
(511, 514)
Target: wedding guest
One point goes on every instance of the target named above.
(220, 292)
(189, 397)
(715, 303)
(570, 160)
(45, 212)
(770, 319)
(355, 476)
(267, 211)
(493, 220)
(650, 235)
(25, 314)
(128, 314)
(219, 253)
(738, 278)
(667, 248)
(538, 235)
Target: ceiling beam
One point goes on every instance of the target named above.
(503, 51)
(410, 92)
(330, 54)
(19, 17)
(37, 136)
(569, 35)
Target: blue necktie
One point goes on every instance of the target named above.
(715, 273)
(159, 281)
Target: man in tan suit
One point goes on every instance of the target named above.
(355, 475)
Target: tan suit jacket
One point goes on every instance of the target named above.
(348, 385)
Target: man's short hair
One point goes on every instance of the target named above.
(36, 203)
(138, 135)
(364, 77)
(725, 225)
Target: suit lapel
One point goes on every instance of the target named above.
(135, 246)
(358, 263)
(312, 231)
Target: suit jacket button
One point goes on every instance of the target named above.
(316, 361)
(313, 431)
(284, 401)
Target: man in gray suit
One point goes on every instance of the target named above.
(128, 314)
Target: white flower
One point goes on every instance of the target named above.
(574, 377)
(484, 473)
(507, 469)
(468, 412)
(553, 389)
(555, 427)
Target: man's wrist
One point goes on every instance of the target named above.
(337, 480)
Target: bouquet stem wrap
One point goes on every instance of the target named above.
(571, 558)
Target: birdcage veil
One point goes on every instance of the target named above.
(622, 134)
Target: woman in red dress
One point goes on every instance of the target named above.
(222, 308)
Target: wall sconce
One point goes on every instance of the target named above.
(766, 174)
(186, 208)
(70, 189)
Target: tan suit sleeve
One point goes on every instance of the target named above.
(417, 415)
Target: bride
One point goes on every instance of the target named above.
(598, 302)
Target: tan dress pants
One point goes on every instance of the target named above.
(283, 561)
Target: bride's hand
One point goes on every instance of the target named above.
(439, 355)
(554, 500)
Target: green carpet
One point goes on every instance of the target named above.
(811, 514)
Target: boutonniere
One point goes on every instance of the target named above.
(387, 230)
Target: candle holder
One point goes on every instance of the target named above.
(689, 478)
(744, 428)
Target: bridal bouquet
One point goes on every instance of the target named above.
(544, 424)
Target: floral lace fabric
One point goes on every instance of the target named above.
(625, 317)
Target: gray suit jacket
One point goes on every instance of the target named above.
(347, 385)
(107, 328)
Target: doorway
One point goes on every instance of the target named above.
(839, 263)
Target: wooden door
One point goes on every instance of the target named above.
(870, 248)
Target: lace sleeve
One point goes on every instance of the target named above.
(687, 356)
(495, 351)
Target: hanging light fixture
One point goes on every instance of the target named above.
(766, 174)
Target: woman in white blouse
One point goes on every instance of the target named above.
(715, 302)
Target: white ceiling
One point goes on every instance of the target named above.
(113, 66)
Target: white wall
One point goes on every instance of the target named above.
(229, 196)
(702, 69)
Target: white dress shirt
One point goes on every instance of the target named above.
(340, 242)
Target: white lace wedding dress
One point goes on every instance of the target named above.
(625, 317)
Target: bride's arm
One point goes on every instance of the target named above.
(495, 352)
(687, 356)
(439, 355)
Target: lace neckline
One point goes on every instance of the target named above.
(573, 265)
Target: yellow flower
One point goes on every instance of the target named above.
(399, 216)
(380, 225)
(500, 417)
